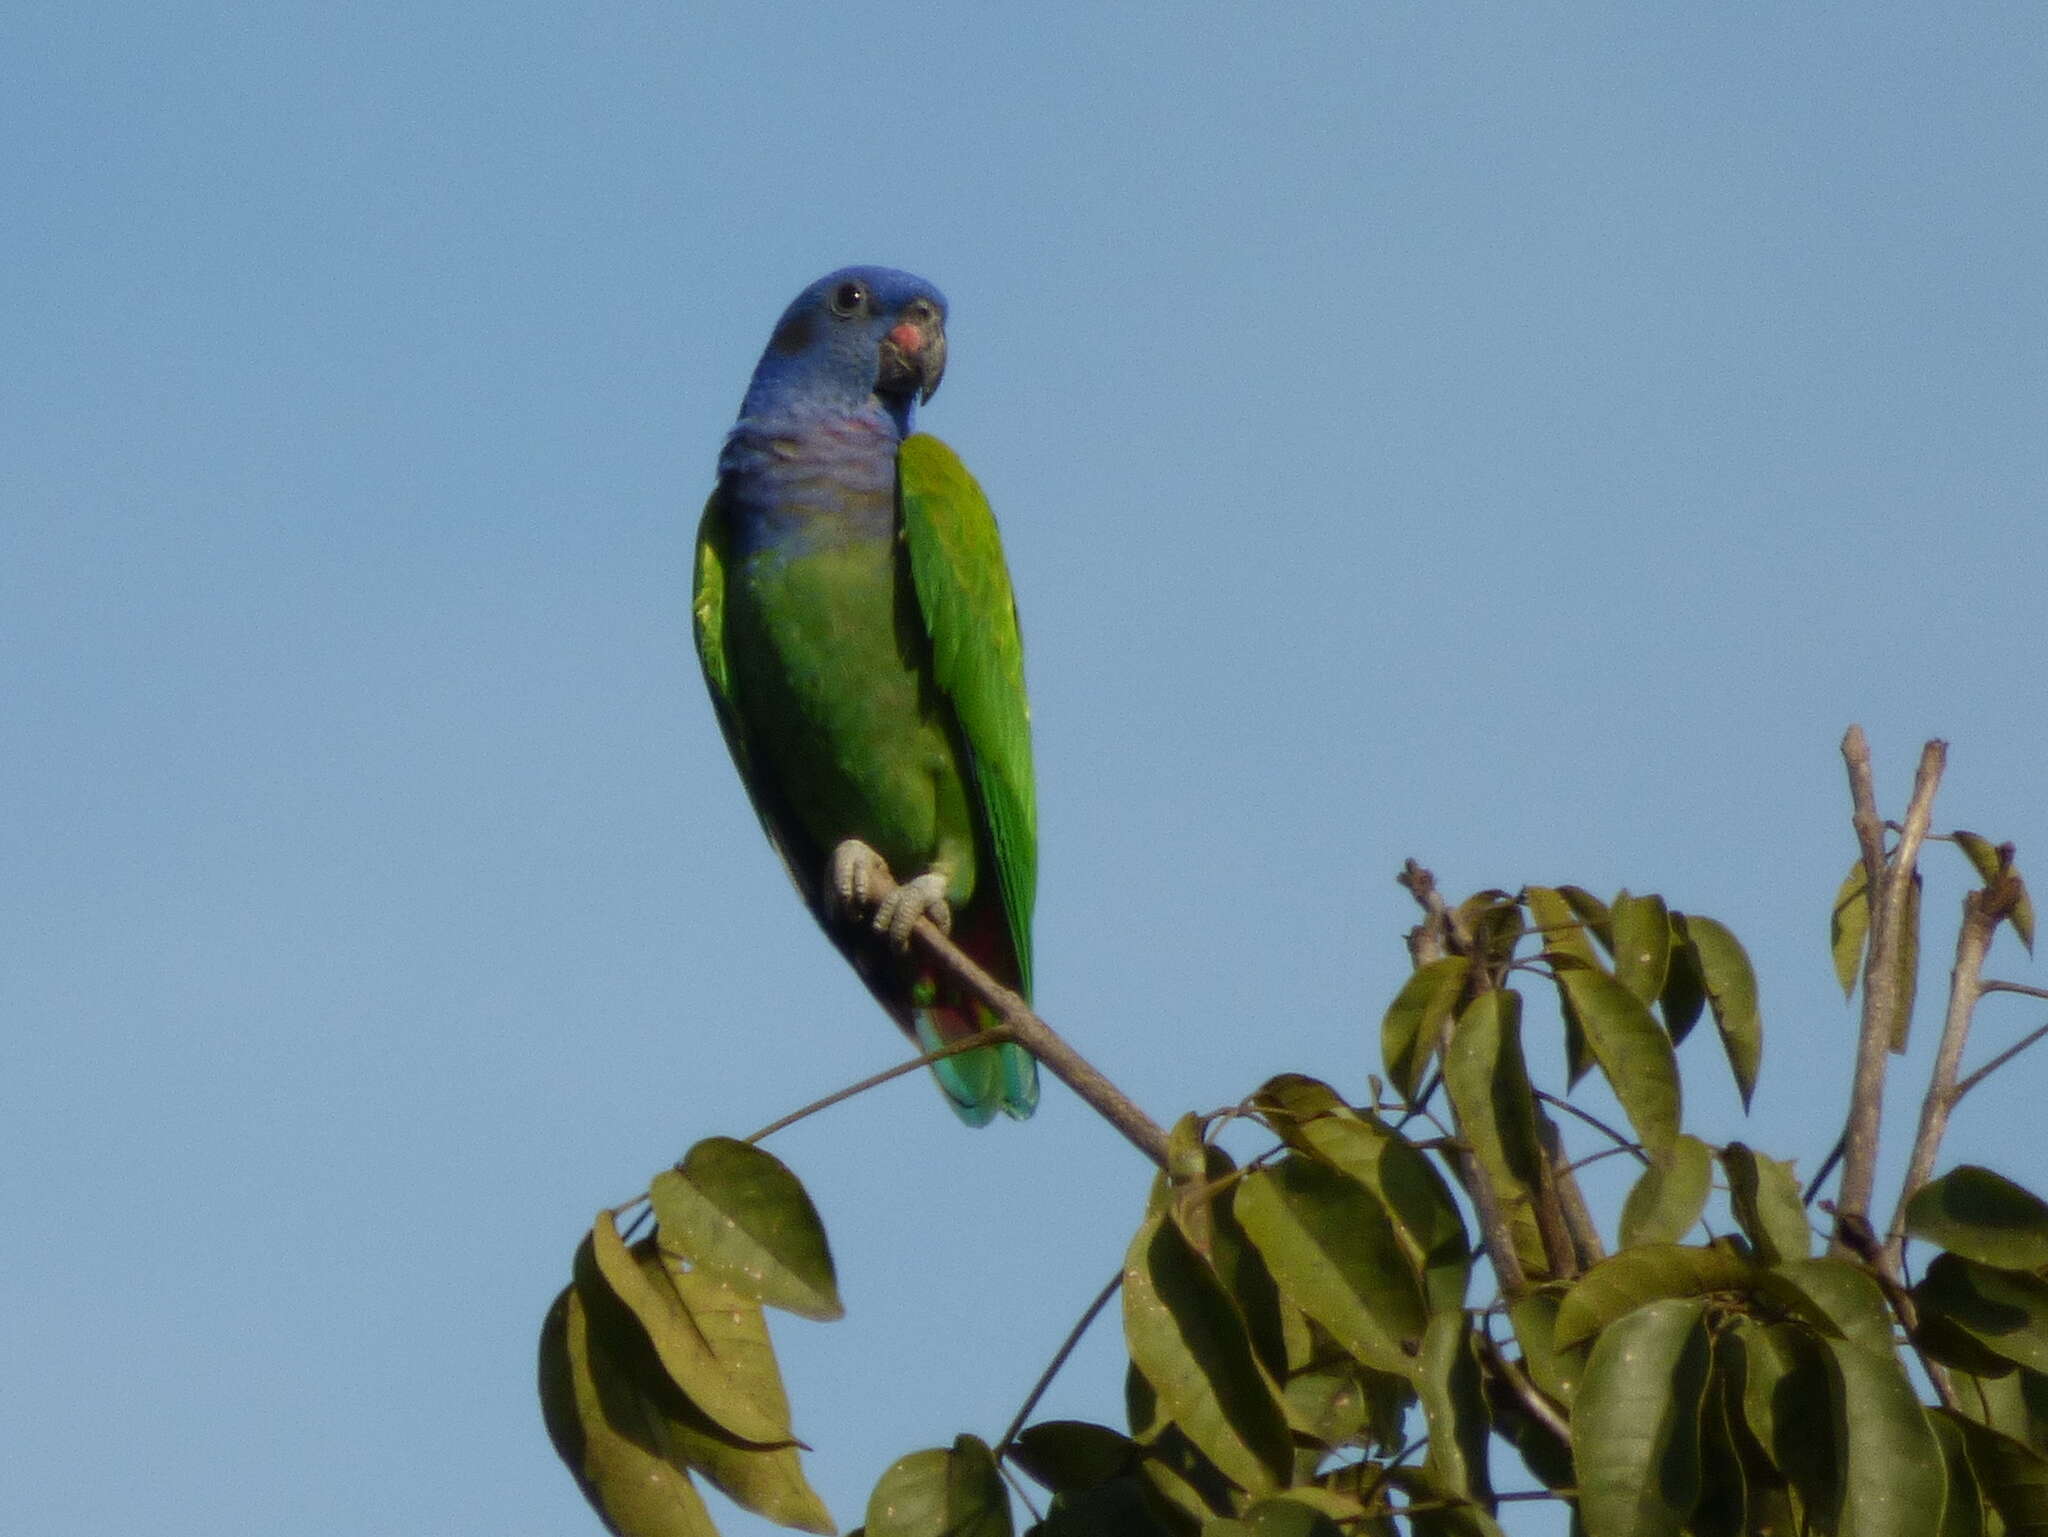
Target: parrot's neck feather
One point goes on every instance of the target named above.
(801, 482)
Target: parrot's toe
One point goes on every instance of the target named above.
(852, 877)
(897, 914)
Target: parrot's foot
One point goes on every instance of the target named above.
(854, 867)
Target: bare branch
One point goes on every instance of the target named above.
(1889, 883)
(876, 1080)
(2001, 1059)
(1621, 1144)
(2015, 987)
(1980, 919)
(1434, 938)
(1031, 1032)
(1527, 1394)
(1059, 1359)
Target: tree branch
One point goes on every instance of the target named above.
(1980, 918)
(1889, 883)
(2031, 1038)
(1032, 1033)
(1059, 1359)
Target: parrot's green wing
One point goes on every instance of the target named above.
(707, 611)
(963, 593)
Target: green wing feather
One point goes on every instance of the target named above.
(963, 592)
(707, 612)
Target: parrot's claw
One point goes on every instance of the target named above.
(854, 867)
(853, 887)
(897, 914)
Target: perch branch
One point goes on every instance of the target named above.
(1031, 1032)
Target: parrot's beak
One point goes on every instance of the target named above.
(913, 357)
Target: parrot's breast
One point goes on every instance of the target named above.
(831, 676)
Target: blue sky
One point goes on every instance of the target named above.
(1519, 438)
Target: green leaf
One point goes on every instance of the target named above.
(736, 1212)
(1309, 1117)
(1183, 1488)
(1731, 992)
(1982, 1216)
(603, 1428)
(1494, 920)
(1633, 1053)
(769, 1481)
(1343, 1404)
(2015, 1405)
(1554, 1368)
(1764, 1195)
(1684, 997)
(1454, 1406)
(766, 1479)
(1734, 1474)
(1277, 1517)
(1669, 1197)
(1069, 1456)
(1634, 1278)
(724, 1393)
(1413, 1026)
(1896, 1482)
(1332, 1251)
(1495, 1107)
(1906, 957)
(1991, 861)
(1190, 1343)
(1843, 1298)
(1565, 932)
(2005, 1311)
(943, 1492)
(1849, 926)
(1636, 1422)
(1788, 1402)
(1849, 931)
(1270, 1320)
(1642, 945)
(2013, 1476)
(1962, 1515)
(1118, 1508)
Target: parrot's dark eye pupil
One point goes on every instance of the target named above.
(847, 299)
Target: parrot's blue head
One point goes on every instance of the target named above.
(858, 339)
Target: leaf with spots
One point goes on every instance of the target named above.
(738, 1214)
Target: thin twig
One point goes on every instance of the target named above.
(1059, 1359)
(1827, 1167)
(2000, 1060)
(2014, 987)
(1595, 1157)
(1527, 1394)
(1031, 1032)
(1889, 883)
(1621, 1143)
(876, 1080)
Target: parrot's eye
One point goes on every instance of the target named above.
(848, 299)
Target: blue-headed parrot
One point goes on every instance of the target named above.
(858, 633)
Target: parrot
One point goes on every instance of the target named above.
(858, 634)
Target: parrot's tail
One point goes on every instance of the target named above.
(978, 1083)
